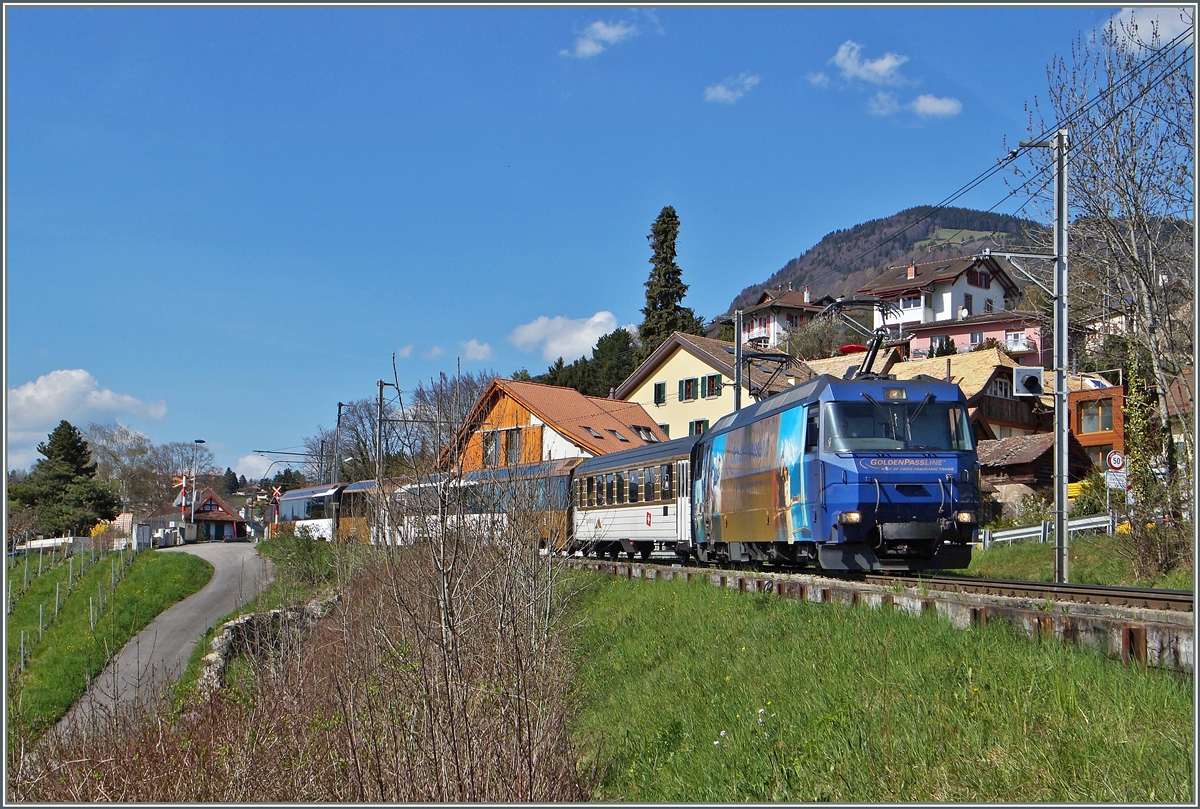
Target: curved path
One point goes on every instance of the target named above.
(157, 655)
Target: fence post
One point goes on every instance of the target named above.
(1045, 531)
(987, 538)
(57, 585)
(91, 614)
(41, 609)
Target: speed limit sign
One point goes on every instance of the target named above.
(1115, 460)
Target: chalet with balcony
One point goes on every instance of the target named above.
(686, 384)
(942, 291)
(986, 379)
(1018, 332)
(777, 314)
(525, 422)
(1023, 465)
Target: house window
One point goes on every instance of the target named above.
(979, 279)
(666, 429)
(512, 447)
(1095, 417)
(989, 306)
(937, 342)
(1001, 388)
(660, 393)
(976, 337)
(491, 449)
(969, 304)
(697, 427)
(1011, 336)
(619, 437)
(910, 302)
(1098, 454)
(710, 386)
(591, 432)
(689, 389)
(645, 433)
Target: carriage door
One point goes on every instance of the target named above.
(683, 502)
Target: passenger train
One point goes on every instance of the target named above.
(855, 474)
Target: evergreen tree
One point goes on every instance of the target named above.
(67, 445)
(242, 482)
(229, 481)
(63, 490)
(665, 289)
(945, 349)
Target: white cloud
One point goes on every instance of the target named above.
(252, 466)
(927, 105)
(883, 104)
(1170, 23)
(475, 350)
(563, 337)
(435, 352)
(884, 70)
(404, 353)
(731, 89)
(599, 35)
(35, 408)
(818, 79)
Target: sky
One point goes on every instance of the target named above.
(222, 221)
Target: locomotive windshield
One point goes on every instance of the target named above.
(918, 426)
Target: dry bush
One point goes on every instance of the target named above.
(440, 675)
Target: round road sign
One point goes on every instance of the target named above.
(1115, 460)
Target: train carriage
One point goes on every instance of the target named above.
(634, 501)
(852, 475)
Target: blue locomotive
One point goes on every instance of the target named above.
(861, 474)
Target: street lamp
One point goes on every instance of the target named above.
(195, 447)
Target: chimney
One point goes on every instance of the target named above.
(807, 297)
(789, 286)
(612, 393)
(912, 271)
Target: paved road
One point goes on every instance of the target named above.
(158, 654)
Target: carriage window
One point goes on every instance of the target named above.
(610, 494)
(668, 481)
(620, 487)
(650, 493)
(633, 486)
(591, 491)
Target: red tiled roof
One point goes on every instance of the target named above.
(894, 281)
(783, 300)
(1018, 449)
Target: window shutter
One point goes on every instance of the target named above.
(703, 386)
(716, 386)
(681, 383)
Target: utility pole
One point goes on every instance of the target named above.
(333, 475)
(379, 467)
(737, 360)
(1061, 432)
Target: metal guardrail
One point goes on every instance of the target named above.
(1045, 531)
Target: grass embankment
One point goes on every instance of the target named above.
(1095, 559)
(697, 693)
(72, 652)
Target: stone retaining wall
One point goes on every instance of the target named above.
(257, 634)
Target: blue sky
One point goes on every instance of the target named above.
(222, 221)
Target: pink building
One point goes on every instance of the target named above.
(1018, 332)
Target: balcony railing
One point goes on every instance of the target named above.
(1009, 411)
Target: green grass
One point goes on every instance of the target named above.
(1095, 559)
(696, 693)
(71, 653)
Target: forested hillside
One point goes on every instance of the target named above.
(846, 259)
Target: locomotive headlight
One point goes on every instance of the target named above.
(965, 516)
(850, 517)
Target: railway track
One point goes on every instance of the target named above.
(1134, 597)
(1129, 597)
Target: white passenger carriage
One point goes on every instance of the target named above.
(636, 501)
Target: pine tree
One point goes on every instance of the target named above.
(229, 481)
(67, 445)
(665, 289)
(62, 489)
